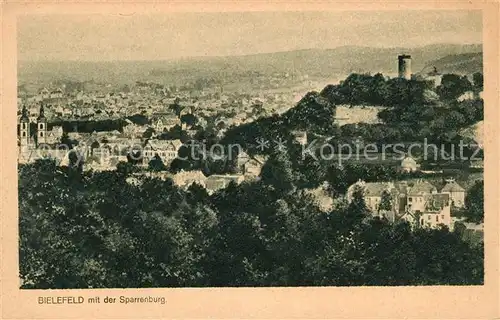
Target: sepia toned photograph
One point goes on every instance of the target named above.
(251, 149)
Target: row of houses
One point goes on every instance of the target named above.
(185, 179)
(420, 202)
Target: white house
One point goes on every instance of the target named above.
(167, 150)
(416, 194)
(456, 192)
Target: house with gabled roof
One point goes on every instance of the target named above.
(57, 93)
(164, 122)
(44, 93)
(456, 192)
(167, 150)
(373, 193)
(437, 211)
(55, 134)
(420, 204)
(415, 195)
(250, 165)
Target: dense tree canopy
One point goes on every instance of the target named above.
(452, 86)
(93, 229)
(364, 89)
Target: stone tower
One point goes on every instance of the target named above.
(24, 129)
(41, 129)
(404, 66)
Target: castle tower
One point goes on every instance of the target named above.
(24, 130)
(404, 66)
(41, 130)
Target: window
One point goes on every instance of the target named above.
(409, 199)
(442, 216)
(41, 126)
(24, 125)
(24, 134)
(421, 221)
(41, 134)
(437, 218)
(429, 217)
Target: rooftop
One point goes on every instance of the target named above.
(452, 186)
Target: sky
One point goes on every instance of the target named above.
(178, 35)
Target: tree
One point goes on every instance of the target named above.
(148, 133)
(357, 209)
(478, 81)
(101, 232)
(156, 164)
(474, 203)
(277, 171)
(125, 168)
(134, 156)
(139, 119)
(452, 86)
(189, 119)
(173, 133)
(176, 107)
(66, 142)
(385, 201)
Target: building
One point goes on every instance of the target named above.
(404, 66)
(408, 164)
(434, 76)
(437, 211)
(132, 130)
(253, 166)
(322, 197)
(300, 137)
(456, 192)
(250, 166)
(58, 93)
(417, 203)
(165, 122)
(41, 130)
(167, 150)
(476, 164)
(184, 179)
(416, 195)
(373, 193)
(217, 182)
(36, 144)
(54, 135)
(468, 95)
(241, 159)
(44, 94)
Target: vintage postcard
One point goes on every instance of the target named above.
(249, 160)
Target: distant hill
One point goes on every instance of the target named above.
(319, 63)
(465, 63)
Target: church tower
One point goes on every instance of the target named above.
(24, 130)
(41, 132)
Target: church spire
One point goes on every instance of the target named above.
(24, 114)
(42, 113)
